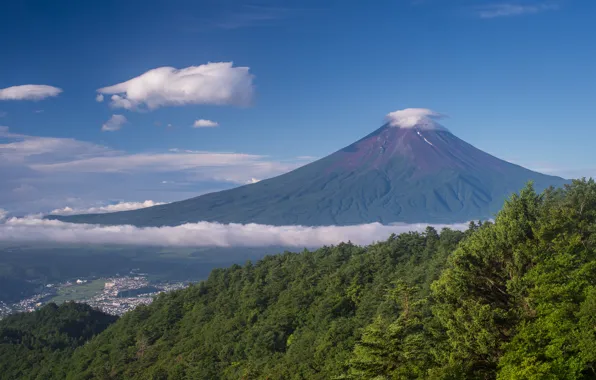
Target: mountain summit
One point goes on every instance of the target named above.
(410, 170)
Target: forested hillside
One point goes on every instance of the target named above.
(513, 299)
(36, 345)
(288, 315)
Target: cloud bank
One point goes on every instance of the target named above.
(122, 206)
(202, 123)
(29, 92)
(115, 123)
(203, 234)
(410, 117)
(218, 83)
(510, 9)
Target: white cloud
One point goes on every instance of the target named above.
(419, 117)
(122, 206)
(61, 169)
(53, 155)
(99, 98)
(3, 214)
(29, 92)
(202, 123)
(307, 158)
(512, 9)
(253, 180)
(46, 149)
(115, 123)
(154, 162)
(218, 83)
(203, 234)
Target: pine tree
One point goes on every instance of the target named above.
(393, 350)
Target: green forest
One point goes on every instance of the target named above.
(509, 299)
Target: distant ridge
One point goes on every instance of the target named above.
(415, 171)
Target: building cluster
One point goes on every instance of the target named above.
(109, 299)
(4, 310)
(27, 304)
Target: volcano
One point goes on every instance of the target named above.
(410, 170)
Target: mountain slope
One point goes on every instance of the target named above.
(418, 173)
(287, 316)
(36, 345)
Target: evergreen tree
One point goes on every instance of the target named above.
(397, 349)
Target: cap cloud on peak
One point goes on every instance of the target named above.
(422, 118)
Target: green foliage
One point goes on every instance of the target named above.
(394, 349)
(36, 345)
(294, 315)
(513, 299)
(516, 300)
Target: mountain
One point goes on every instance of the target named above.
(410, 170)
(502, 300)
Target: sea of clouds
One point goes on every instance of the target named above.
(203, 234)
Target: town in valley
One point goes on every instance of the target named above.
(113, 295)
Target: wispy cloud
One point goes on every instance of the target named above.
(29, 92)
(203, 234)
(154, 162)
(513, 9)
(251, 15)
(241, 16)
(121, 206)
(31, 149)
(58, 168)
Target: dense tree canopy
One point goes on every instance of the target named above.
(36, 345)
(512, 299)
(289, 315)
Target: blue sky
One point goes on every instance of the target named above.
(516, 79)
